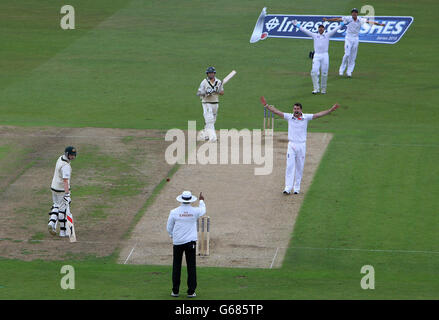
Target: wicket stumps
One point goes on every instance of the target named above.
(203, 229)
(268, 122)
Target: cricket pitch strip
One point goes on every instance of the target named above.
(251, 221)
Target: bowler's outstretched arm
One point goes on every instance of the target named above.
(275, 111)
(325, 112)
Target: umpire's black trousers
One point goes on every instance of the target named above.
(189, 250)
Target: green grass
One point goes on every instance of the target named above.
(137, 64)
(315, 277)
(4, 150)
(37, 237)
(12, 158)
(115, 180)
(127, 139)
(150, 200)
(119, 178)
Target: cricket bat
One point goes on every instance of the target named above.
(228, 77)
(70, 227)
(264, 103)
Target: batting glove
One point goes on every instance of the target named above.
(67, 198)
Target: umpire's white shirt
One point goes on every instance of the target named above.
(182, 222)
(297, 127)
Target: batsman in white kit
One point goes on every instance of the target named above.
(297, 130)
(60, 212)
(353, 27)
(209, 91)
(320, 59)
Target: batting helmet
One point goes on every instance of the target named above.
(70, 151)
(210, 69)
(354, 10)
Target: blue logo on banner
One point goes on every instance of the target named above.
(281, 26)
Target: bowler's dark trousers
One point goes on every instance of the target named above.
(189, 250)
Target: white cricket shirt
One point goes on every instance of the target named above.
(353, 27)
(321, 41)
(205, 85)
(182, 223)
(63, 170)
(297, 127)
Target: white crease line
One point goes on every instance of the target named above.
(389, 144)
(57, 240)
(369, 250)
(59, 136)
(277, 248)
(274, 258)
(132, 250)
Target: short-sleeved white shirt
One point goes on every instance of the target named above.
(297, 127)
(353, 27)
(205, 85)
(63, 170)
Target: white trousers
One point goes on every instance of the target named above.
(57, 213)
(320, 62)
(295, 163)
(350, 54)
(210, 111)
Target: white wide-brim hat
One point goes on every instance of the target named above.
(186, 196)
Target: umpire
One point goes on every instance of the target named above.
(182, 228)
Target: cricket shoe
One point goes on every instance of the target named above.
(349, 75)
(323, 92)
(51, 228)
(193, 295)
(175, 295)
(315, 91)
(340, 74)
(286, 192)
(202, 136)
(62, 234)
(296, 192)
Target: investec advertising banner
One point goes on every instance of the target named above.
(281, 26)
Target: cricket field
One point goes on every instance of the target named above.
(129, 72)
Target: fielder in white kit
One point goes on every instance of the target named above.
(353, 27)
(297, 130)
(209, 90)
(321, 56)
